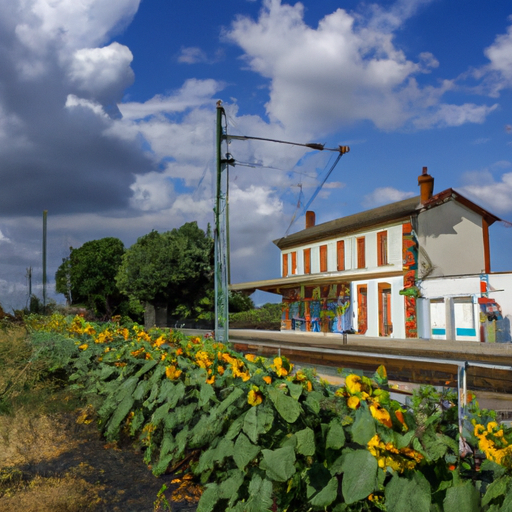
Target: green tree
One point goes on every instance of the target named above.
(87, 276)
(171, 269)
(239, 302)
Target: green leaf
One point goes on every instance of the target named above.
(359, 475)
(260, 491)
(232, 397)
(235, 427)
(147, 366)
(363, 428)
(327, 495)
(228, 489)
(305, 442)
(496, 489)
(462, 497)
(404, 495)
(250, 426)
(279, 464)
(205, 394)
(335, 436)
(244, 452)
(381, 377)
(295, 389)
(177, 394)
(209, 498)
(317, 477)
(313, 401)
(287, 407)
(119, 414)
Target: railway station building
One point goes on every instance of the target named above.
(416, 268)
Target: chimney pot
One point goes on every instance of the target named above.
(310, 219)
(426, 183)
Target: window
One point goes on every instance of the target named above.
(340, 247)
(382, 248)
(307, 261)
(294, 262)
(285, 265)
(323, 258)
(361, 256)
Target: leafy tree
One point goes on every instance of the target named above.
(172, 269)
(239, 302)
(87, 276)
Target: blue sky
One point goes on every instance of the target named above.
(107, 117)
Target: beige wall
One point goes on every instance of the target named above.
(451, 241)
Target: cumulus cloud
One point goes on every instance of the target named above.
(346, 70)
(487, 191)
(385, 195)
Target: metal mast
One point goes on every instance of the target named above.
(221, 234)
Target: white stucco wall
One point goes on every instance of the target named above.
(451, 238)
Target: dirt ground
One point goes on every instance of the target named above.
(53, 463)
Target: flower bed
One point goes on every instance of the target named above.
(258, 436)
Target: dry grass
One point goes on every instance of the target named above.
(65, 494)
(35, 426)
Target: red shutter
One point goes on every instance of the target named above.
(382, 248)
(323, 258)
(294, 262)
(307, 261)
(341, 254)
(285, 265)
(361, 259)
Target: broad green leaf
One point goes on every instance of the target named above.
(359, 475)
(177, 394)
(279, 464)
(305, 442)
(228, 488)
(141, 390)
(313, 401)
(119, 415)
(181, 440)
(363, 428)
(235, 427)
(226, 448)
(287, 407)
(250, 426)
(327, 495)
(260, 491)
(206, 461)
(462, 497)
(265, 417)
(244, 452)
(336, 435)
(317, 478)
(230, 399)
(496, 489)
(147, 366)
(404, 495)
(159, 414)
(205, 394)
(295, 389)
(209, 498)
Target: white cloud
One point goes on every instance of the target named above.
(455, 115)
(104, 73)
(385, 195)
(192, 55)
(485, 190)
(347, 69)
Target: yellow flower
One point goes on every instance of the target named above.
(83, 346)
(353, 384)
(250, 357)
(310, 386)
(381, 415)
(254, 397)
(211, 380)
(159, 341)
(353, 402)
(267, 379)
(172, 372)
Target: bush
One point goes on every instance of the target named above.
(268, 317)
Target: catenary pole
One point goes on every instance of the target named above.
(221, 210)
(45, 215)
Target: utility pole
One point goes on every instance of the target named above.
(45, 215)
(29, 277)
(221, 234)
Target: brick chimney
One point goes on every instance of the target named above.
(426, 183)
(310, 219)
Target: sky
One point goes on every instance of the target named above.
(107, 119)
